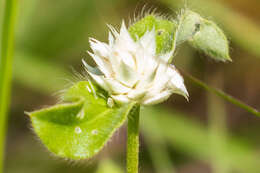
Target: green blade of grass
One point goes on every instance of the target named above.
(7, 41)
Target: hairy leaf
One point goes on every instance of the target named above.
(212, 41)
(202, 34)
(80, 128)
(188, 25)
(165, 31)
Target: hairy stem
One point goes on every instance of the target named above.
(133, 140)
(7, 39)
(222, 94)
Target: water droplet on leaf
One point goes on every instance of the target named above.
(78, 130)
(94, 132)
(110, 102)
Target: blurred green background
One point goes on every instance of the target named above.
(203, 135)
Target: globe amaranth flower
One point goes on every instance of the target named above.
(132, 71)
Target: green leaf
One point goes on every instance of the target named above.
(247, 37)
(202, 34)
(188, 25)
(165, 31)
(80, 128)
(212, 41)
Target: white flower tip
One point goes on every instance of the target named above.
(186, 95)
(183, 91)
(123, 29)
(90, 53)
(91, 69)
(113, 30)
(123, 24)
(110, 39)
(93, 41)
(84, 62)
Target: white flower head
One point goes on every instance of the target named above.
(132, 71)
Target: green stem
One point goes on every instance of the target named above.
(222, 94)
(133, 140)
(7, 40)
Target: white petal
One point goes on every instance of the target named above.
(125, 34)
(126, 57)
(114, 61)
(99, 80)
(167, 57)
(116, 87)
(102, 49)
(148, 41)
(124, 41)
(146, 81)
(121, 99)
(136, 94)
(160, 97)
(91, 69)
(126, 74)
(177, 82)
(113, 30)
(111, 39)
(161, 78)
(103, 64)
(150, 64)
(161, 70)
(139, 59)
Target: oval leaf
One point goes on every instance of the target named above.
(212, 41)
(188, 25)
(81, 128)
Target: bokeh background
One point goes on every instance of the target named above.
(204, 135)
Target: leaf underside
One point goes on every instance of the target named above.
(80, 128)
